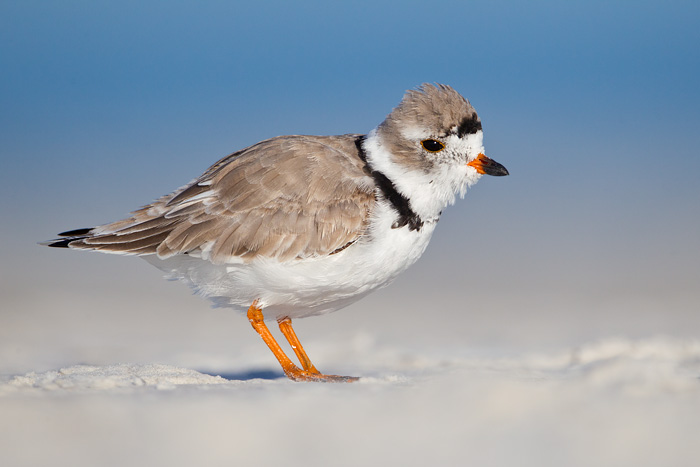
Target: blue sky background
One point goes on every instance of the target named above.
(592, 106)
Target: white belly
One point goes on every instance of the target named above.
(307, 287)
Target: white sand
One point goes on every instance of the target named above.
(611, 403)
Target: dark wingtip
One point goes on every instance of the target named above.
(74, 233)
(59, 243)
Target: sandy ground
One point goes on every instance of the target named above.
(616, 402)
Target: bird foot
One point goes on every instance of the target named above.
(307, 376)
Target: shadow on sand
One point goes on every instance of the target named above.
(248, 375)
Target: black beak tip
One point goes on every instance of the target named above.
(496, 169)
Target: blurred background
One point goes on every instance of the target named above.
(592, 106)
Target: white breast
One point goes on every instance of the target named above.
(311, 286)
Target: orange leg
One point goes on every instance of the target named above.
(288, 331)
(293, 372)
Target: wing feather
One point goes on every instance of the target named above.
(288, 197)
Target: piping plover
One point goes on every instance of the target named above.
(296, 226)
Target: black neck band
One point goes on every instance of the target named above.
(401, 204)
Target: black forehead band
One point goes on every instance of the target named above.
(468, 126)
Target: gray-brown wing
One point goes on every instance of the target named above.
(286, 197)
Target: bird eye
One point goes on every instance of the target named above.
(432, 145)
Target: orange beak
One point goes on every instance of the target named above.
(487, 166)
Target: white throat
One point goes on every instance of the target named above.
(428, 192)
